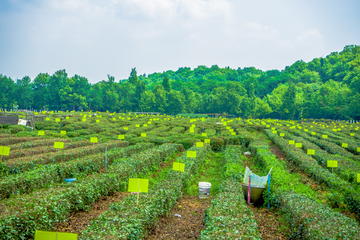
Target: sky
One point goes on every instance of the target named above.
(94, 38)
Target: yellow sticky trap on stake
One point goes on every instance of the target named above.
(145, 125)
(126, 128)
(267, 126)
(84, 119)
(306, 130)
(97, 120)
(225, 124)
(138, 185)
(199, 144)
(42, 235)
(352, 134)
(93, 139)
(179, 167)
(4, 151)
(63, 132)
(358, 149)
(191, 154)
(67, 118)
(313, 133)
(233, 133)
(41, 133)
(332, 163)
(137, 125)
(324, 136)
(143, 134)
(311, 151)
(114, 119)
(274, 131)
(121, 137)
(344, 145)
(298, 145)
(204, 134)
(282, 134)
(59, 145)
(57, 119)
(207, 141)
(192, 130)
(47, 119)
(358, 177)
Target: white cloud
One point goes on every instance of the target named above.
(310, 36)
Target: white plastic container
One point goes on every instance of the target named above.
(204, 189)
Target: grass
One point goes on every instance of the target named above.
(210, 171)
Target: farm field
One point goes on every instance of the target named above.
(314, 191)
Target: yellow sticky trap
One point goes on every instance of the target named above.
(225, 124)
(42, 235)
(352, 134)
(358, 149)
(143, 134)
(67, 118)
(47, 119)
(63, 132)
(324, 136)
(192, 130)
(358, 177)
(191, 154)
(97, 120)
(149, 122)
(121, 137)
(298, 145)
(199, 144)
(59, 145)
(126, 128)
(84, 119)
(311, 151)
(137, 125)
(57, 119)
(306, 130)
(344, 145)
(282, 134)
(179, 167)
(5, 151)
(332, 163)
(313, 133)
(292, 142)
(274, 131)
(228, 127)
(41, 133)
(267, 126)
(233, 133)
(207, 141)
(93, 139)
(138, 185)
(128, 118)
(334, 129)
(145, 125)
(204, 134)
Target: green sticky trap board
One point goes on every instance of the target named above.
(332, 163)
(204, 134)
(121, 137)
(93, 139)
(42, 235)
(143, 134)
(178, 166)
(311, 151)
(191, 154)
(4, 151)
(199, 144)
(207, 141)
(41, 133)
(282, 134)
(344, 145)
(298, 145)
(63, 132)
(292, 142)
(59, 145)
(138, 185)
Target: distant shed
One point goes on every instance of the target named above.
(9, 120)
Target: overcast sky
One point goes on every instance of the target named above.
(93, 38)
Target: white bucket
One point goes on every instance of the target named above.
(204, 189)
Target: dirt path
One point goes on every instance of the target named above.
(79, 221)
(188, 226)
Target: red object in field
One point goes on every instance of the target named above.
(249, 189)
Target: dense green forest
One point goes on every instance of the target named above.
(322, 88)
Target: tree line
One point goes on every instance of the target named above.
(326, 87)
